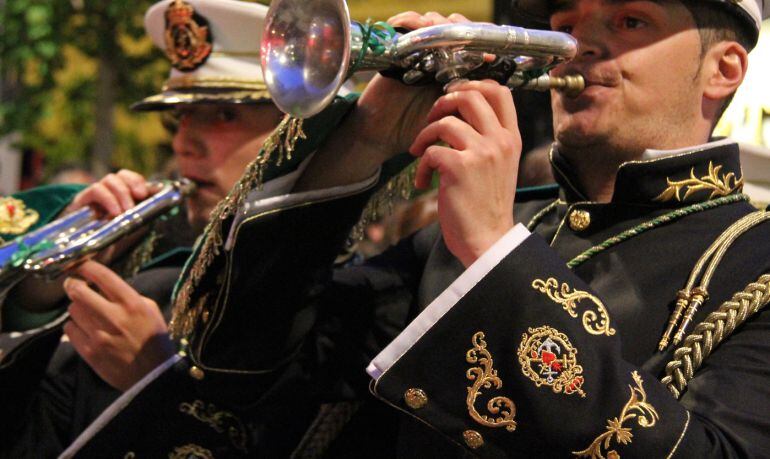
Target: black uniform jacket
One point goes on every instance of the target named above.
(533, 358)
(50, 394)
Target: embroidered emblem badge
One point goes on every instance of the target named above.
(596, 321)
(485, 376)
(188, 41)
(548, 358)
(15, 218)
(637, 408)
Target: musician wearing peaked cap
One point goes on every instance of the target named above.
(222, 115)
(623, 314)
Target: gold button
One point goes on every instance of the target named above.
(613, 455)
(196, 373)
(205, 316)
(579, 220)
(473, 439)
(415, 398)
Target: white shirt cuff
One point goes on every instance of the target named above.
(446, 300)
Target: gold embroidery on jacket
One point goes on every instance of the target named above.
(548, 358)
(485, 376)
(220, 421)
(191, 451)
(595, 322)
(15, 217)
(723, 185)
(636, 408)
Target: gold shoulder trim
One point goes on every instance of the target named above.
(717, 327)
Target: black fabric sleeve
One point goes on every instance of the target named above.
(528, 363)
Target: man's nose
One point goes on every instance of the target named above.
(185, 142)
(592, 43)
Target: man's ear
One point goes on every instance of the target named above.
(724, 68)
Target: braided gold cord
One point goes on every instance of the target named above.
(717, 326)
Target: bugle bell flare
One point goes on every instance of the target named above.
(310, 47)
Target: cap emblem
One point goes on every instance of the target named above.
(188, 41)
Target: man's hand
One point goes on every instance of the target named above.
(118, 332)
(387, 118)
(477, 166)
(113, 194)
(109, 197)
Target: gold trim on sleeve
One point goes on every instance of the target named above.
(723, 185)
(595, 322)
(636, 408)
(681, 436)
(191, 451)
(548, 358)
(485, 376)
(219, 420)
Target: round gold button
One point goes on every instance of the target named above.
(415, 398)
(196, 373)
(205, 316)
(473, 439)
(579, 220)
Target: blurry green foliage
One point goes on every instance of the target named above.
(49, 56)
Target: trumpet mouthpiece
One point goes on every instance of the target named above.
(571, 85)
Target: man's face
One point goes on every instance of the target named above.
(213, 145)
(641, 61)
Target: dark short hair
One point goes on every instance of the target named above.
(717, 24)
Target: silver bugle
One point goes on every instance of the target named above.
(309, 46)
(58, 245)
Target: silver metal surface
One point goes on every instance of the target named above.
(58, 245)
(53, 261)
(308, 47)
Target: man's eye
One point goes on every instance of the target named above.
(629, 22)
(226, 114)
(564, 29)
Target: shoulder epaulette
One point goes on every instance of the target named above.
(721, 323)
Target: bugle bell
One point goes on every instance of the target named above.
(310, 47)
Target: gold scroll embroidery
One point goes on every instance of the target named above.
(723, 185)
(636, 408)
(190, 451)
(218, 420)
(548, 358)
(595, 322)
(485, 376)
